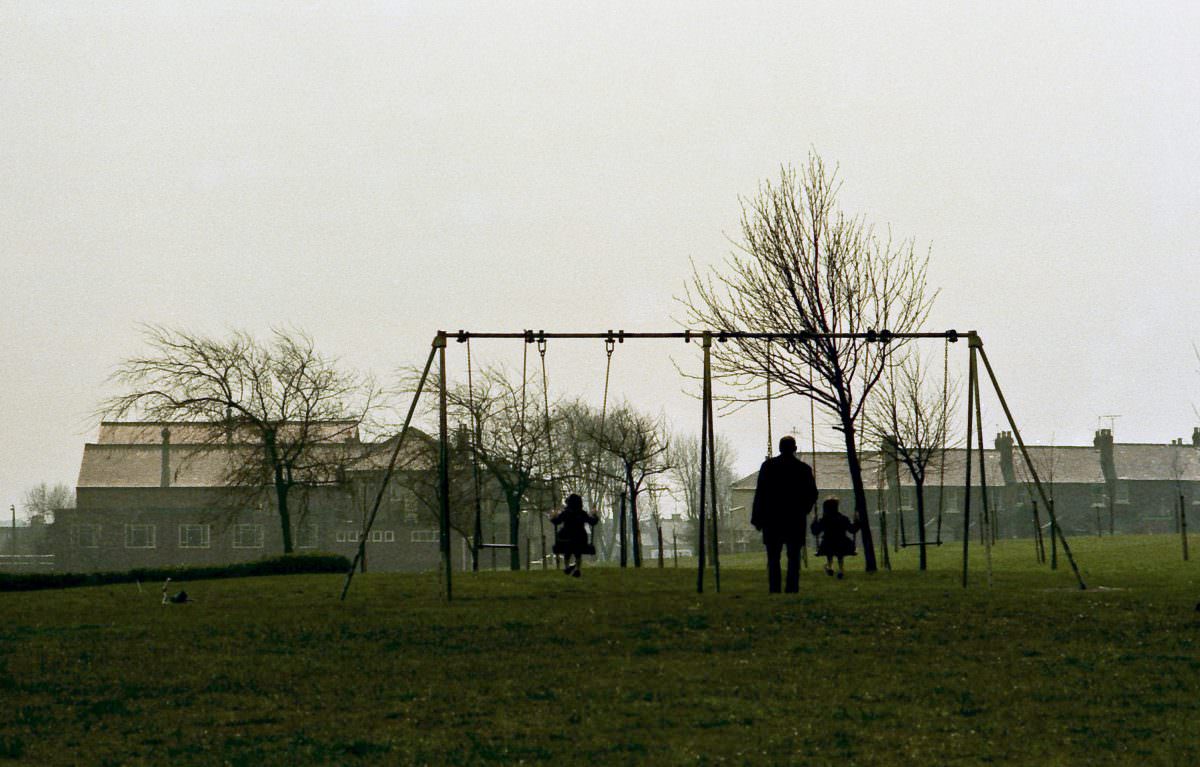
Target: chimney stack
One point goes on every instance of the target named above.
(1108, 464)
(1004, 446)
(1196, 436)
(164, 479)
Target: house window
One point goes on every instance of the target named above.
(248, 536)
(306, 536)
(194, 536)
(376, 536)
(425, 536)
(340, 536)
(140, 536)
(389, 536)
(85, 536)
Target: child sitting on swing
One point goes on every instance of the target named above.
(837, 536)
(571, 534)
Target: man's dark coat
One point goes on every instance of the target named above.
(785, 494)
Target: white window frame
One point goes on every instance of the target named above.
(151, 532)
(255, 531)
(205, 536)
(389, 536)
(376, 536)
(425, 536)
(93, 530)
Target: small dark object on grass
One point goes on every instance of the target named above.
(180, 598)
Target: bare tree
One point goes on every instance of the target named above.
(418, 474)
(509, 441)
(685, 475)
(802, 266)
(41, 501)
(586, 469)
(910, 418)
(289, 413)
(639, 444)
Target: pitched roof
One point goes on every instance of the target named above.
(206, 432)
(833, 471)
(1170, 462)
(1060, 464)
(141, 466)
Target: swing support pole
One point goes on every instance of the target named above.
(387, 474)
(705, 401)
(444, 467)
(1055, 528)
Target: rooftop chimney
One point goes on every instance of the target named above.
(1108, 465)
(1196, 437)
(1004, 446)
(164, 479)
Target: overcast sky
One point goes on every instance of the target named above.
(372, 172)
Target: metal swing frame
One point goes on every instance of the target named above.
(707, 433)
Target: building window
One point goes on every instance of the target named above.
(425, 536)
(389, 536)
(248, 536)
(85, 536)
(194, 536)
(306, 536)
(140, 536)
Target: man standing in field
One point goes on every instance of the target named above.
(785, 493)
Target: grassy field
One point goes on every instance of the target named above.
(621, 667)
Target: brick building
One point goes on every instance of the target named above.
(156, 494)
(1103, 488)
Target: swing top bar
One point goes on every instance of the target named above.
(540, 336)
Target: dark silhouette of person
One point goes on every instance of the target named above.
(785, 493)
(571, 534)
(837, 536)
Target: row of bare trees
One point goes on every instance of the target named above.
(801, 266)
(517, 449)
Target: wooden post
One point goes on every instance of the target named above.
(1183, 526)
(658, 526)
(972, 377)
(444, 465)
(387, 474)
(707, 343)
(528, 559)
(987, 509)
(1039, 543)
(712, 478)
(1053, 537)
(542, 533)
(1055, 527)
(675, 546)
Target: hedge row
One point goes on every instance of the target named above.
(290, 564)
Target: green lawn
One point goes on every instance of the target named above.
(621, 667)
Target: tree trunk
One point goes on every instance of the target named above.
(623, 543)
(636, 528)
(514, 530)
(920, 486)
(860, 493)
(285, 516)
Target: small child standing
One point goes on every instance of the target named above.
(837, 536)
(571, 535)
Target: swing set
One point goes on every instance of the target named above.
(707, 478)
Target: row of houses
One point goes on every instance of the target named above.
(159, 494)
(1102, 489)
